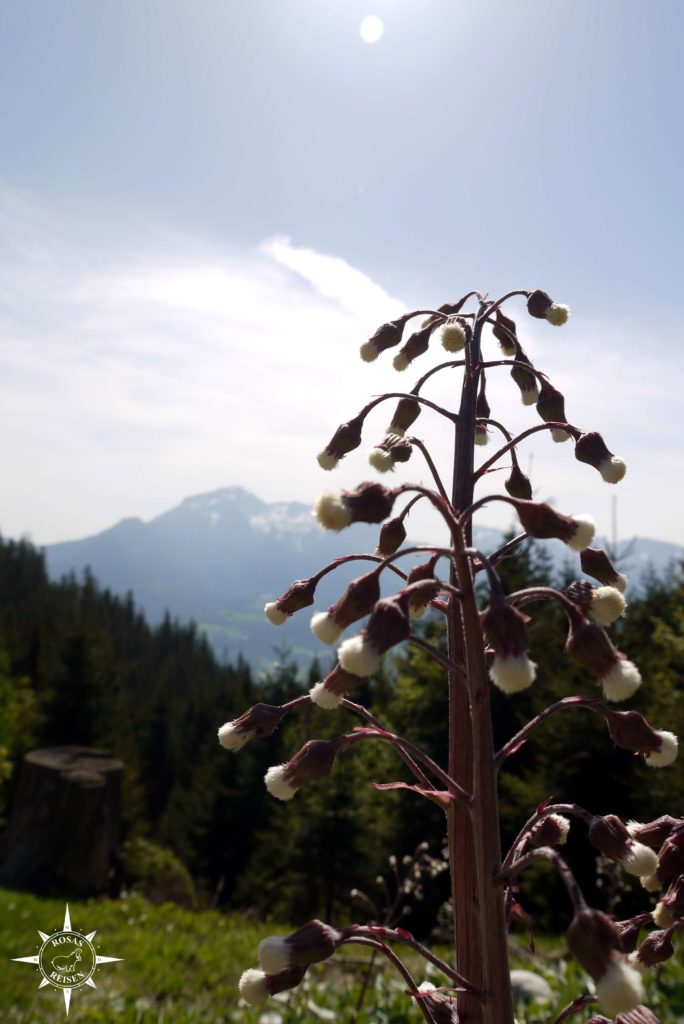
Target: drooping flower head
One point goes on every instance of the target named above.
(600, 604)
(255, 985)
(551, 408)
(368, 503)
(314, 761)
(542, 306)
(387, 336)
(505, 333)
(310, 944)
(609, 835)
(260, 720)
(346, 438)
(590, 645)
(595, 942)
(389, 452)
(595, 562)
(505, 629)
(337, 684)
(591, 448)
(388, 625)
(298, 595)
(357, 601)
(543, 522)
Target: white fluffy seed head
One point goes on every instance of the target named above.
(252, 985)
(607, 605)
(324, 698)
(276, 783)
(613, 469)
(622, 681)
(584, 533)
(563, 825)
(426, 986)
(512, 674)
(453, 337)
(668, 751)
(381, 460)
(369, 351)
(620, 583)
(400, 362)
(651, 883)
(356, 655)
(274, 614)
(529, 396)
(233, 739)
(662, 915)
(273, 954)
(557, 314)
(640, 860)
(327, 461)
(559, 435)
(620, 989)
(325, 628)
(331, 512)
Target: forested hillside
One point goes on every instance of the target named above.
(79, 665)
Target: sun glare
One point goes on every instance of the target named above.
(371, 28)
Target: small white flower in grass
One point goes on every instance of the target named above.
(613, 469)
(453, 337)
(640, 860)
(233, 739)
(276, 783)
(557, 314)
(324, 698)
(667, 754)
(381, 460)
(324, 627)
(331, 512)
(400, 362)
(273, 954)
(253, 987)
(369, 351)
(274, 614)
(512, 674)
(620, 989)
(584, 532)
(622, 681)
(357, 656)
(607, 605)
(327, 461)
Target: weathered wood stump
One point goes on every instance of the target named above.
(63, 830)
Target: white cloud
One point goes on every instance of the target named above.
(131, 382)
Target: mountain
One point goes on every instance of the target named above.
(219, 557)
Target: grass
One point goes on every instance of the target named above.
(181, 967)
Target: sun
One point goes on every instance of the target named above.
(371, 28)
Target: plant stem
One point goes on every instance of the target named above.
(480, 930)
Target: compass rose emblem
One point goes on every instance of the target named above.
(67, 959)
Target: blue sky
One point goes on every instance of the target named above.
(206, 207)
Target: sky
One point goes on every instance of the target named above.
(206, 207)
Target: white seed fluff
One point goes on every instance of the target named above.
(640, 860)
(252, 985)
(369, 351)
(651, 883)
(232, 738)
(324, 698)
(274, 614)
(381, 460)
(453, 337)
(623, 680)
(512, 674)
(400, 362)
(668, 751)
(331, 512)
(662, 915)
(324, 627)
(326, 460)
(620, 583)
(620, 989)
(273, 954)
(607, 605)
(356, 655)
(613, 469)
(557, 314)
(276, 783)
(585, 528)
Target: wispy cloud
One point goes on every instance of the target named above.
(132, 381)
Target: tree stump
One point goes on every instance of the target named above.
(63, 830)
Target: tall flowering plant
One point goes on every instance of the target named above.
(486, 646)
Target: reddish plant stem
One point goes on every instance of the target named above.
(473, 832)
(395, 935)
(401, 967)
